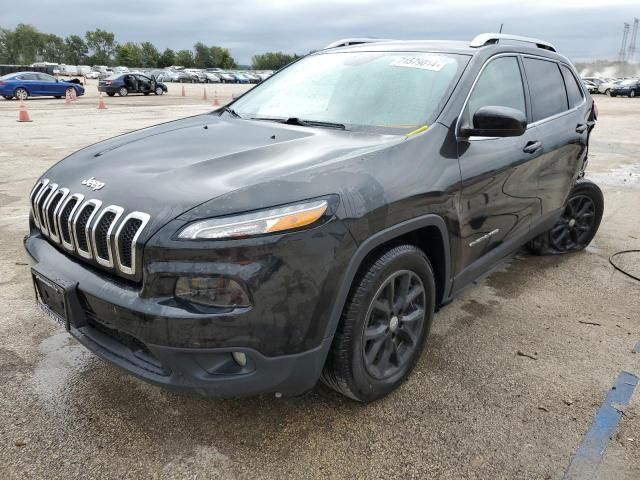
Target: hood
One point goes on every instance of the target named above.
(171, 168)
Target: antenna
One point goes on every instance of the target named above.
(632, 43)
(501, 25)
(625, 35)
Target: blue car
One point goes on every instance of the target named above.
(23, 85)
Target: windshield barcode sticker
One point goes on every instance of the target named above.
(423, 62)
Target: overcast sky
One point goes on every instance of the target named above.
(581, 29)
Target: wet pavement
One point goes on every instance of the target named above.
(513, 374)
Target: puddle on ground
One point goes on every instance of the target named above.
(626, 175)
(62, 358)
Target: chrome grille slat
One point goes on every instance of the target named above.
(43, 205)
(144, 219)
(96, 234)
(82, 226)
(65, 225)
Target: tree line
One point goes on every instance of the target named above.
(26, 44)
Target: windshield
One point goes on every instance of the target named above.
(375, 89)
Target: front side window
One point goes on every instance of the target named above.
(548, 95)
(46, 78)
(400, 90)
(500, 85)
(29, 76)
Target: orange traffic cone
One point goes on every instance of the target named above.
(67, 98)
(216, 102)
(204, 94)
(183, 92)
(23, 116)
(101, 104)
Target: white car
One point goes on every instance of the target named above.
(92, 74)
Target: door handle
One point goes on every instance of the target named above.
(581, 128)
(532, 147)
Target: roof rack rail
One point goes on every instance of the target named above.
(492, 38)
(354, 41)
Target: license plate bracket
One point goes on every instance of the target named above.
(51, 298)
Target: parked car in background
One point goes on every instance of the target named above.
(168, 76)
(630, 88)
(226, 77)
(212, 77)
(605, 87)
(591, 87)
(240, 78)
(253, 78)
(22, 85)
(264, 75)
(198, 76)
(92, 74)
(128, 83)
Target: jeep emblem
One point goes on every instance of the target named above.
(93, 184)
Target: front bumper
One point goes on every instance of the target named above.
(141, 329)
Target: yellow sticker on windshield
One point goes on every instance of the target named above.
(423, 62)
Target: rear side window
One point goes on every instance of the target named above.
(574, 92)
(548, 95)
(28, 76)
(499, 84)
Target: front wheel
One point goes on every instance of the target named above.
(613, 94)
(632, 93)
(577, 225)
(111, 94)
(384, 324)
(123, 92)
(159, 91)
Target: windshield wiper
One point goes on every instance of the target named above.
(231, 112)
(301, 122)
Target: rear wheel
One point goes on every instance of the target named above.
(607, 91)
(612, 94)
(21, 93)
(383, 326)
(578, 224)
(123, 92)
(111, 94)
(7, 97)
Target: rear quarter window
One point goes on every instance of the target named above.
(574, 92)
(546, 85)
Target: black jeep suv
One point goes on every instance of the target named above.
(311, 229)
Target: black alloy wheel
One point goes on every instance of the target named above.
(575, 225)
(394, 321)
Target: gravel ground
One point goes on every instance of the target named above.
(473, 408)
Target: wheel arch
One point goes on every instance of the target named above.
(428, 232)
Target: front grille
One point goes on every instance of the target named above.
(103, 235)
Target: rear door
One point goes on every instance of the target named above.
(31, 82)
(498, 198)
(560, 125)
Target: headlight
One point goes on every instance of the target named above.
(257, 223)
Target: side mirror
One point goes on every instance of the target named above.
(495, 121)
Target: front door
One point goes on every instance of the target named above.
(498, 197)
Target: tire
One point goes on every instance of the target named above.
(111, 94)
(7, 97)
(365, 362)
(123, 92)
(612, 94)
(632, 93)
(21, 93)
(159, 91)
(58, 97)
(146, 93)
(578, 224)
(70, 91)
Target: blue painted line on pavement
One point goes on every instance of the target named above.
(594, 444)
